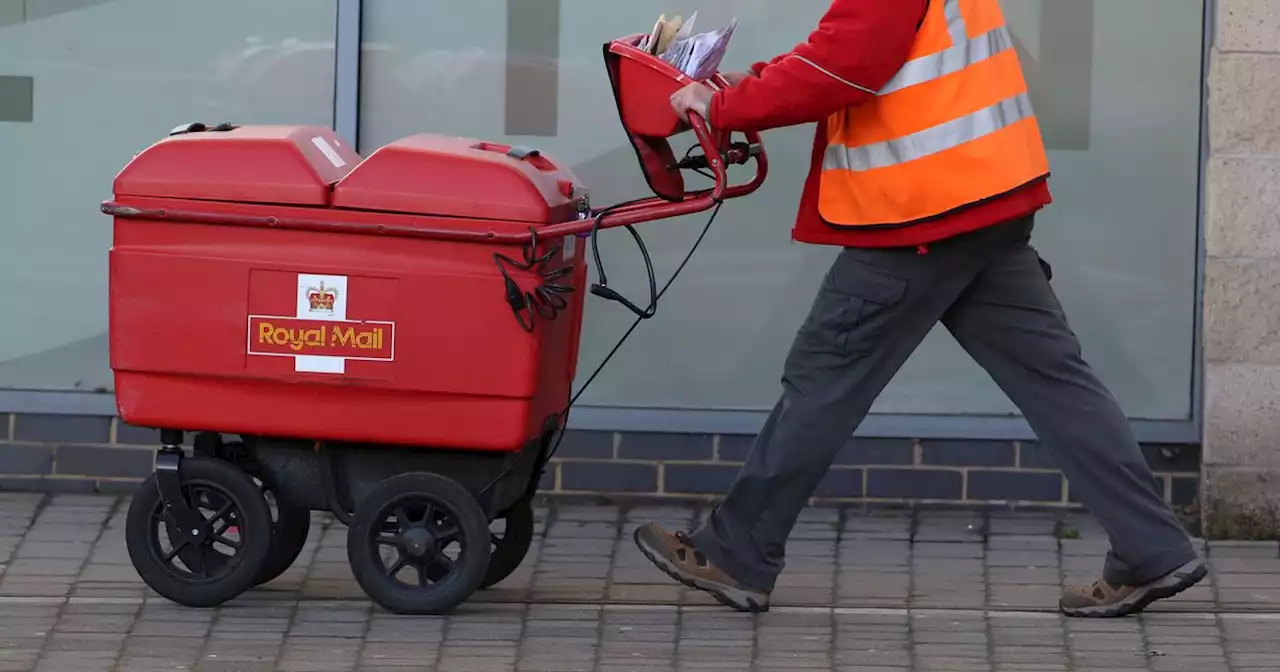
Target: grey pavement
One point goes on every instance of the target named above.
(868, 591)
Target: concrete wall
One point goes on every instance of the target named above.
(1242, 274)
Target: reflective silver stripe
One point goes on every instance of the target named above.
(955, 59)
(930, 141)
(961, 53)
(955, 22)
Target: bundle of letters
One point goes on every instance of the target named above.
(697, 56)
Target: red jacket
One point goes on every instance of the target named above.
(865, 42)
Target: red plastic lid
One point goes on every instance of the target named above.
(251, 164)
(448, 176)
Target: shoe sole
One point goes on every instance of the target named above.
(734, 598)
(1165, 587)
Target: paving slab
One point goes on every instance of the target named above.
(871, 591)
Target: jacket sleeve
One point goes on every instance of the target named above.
(857, 48)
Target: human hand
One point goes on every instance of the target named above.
(695, 97)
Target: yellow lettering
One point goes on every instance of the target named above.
(343, 337)
(264, 332)
(365, 341)
(315, 337)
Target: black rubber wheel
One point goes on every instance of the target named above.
(289, 528)
(226, 560)
(290, 525)
(419, 544)
(508, 548)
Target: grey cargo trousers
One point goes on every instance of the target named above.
(991, 290)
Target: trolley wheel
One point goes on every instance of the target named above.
(289, 528)
(419, 544)
(508, 548)
(226, 558)
(290, 525)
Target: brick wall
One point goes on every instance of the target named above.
(867, 470)
(73, 453)
(101, 454)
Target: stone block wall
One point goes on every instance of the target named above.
(1242, 273)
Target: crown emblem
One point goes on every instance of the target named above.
(322, 298)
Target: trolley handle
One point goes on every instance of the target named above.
(711, 151)
(737, 154)
(755, 151)
(655, 208)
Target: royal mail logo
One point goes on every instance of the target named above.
(291, 336)
(319, 337)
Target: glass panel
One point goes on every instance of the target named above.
(104, 80)
(1117, 84)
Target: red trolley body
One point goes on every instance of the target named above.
(368, 324)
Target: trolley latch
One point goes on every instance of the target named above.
(520, 152)
(201, 128)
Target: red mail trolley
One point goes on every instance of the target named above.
(389, 338)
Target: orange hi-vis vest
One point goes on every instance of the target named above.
(952, 128)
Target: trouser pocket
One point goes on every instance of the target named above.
(852, 308)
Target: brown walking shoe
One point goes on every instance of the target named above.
(675, 555)
(1103, 600)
